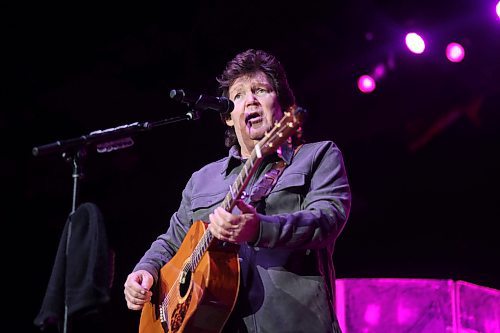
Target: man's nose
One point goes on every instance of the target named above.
(250, 98)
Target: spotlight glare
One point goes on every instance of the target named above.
(415, 43)
(455, 52)
(498, 9)
(379, 71)
(366, 84)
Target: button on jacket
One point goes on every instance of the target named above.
(287, 275)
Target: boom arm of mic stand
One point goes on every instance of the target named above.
(107, 135)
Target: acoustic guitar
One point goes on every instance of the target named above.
(198, 287)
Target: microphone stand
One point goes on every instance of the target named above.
(74, 150)
(108, 139)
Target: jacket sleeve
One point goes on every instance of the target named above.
(167, 244)
(325, 208)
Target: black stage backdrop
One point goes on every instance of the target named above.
(421, 150)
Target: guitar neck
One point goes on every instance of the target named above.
(235, 192)
(241, 182)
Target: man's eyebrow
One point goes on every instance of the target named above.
(235, 87)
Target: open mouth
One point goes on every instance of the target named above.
(253, 119)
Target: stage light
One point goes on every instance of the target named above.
(379, 72)
(415, 43)
(372, 314)
(366, 84)
(455, 52)
(498, 9)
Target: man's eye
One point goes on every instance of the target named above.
(237, 96)
(260, 91)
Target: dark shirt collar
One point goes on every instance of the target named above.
(234, 159)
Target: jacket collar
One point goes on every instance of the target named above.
(284, 152)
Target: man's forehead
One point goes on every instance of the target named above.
(253, 78)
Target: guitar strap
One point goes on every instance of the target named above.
(262, 189)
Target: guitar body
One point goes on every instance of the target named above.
(199, 301)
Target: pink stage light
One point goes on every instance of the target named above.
(379, 71)
(366, 84)
(415, 43)
(372, 314)
(455, 52)
(498, 9)
(381, 305)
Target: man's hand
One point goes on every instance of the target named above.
(137, 289)
(235, 228)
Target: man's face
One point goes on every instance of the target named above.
(256, 108)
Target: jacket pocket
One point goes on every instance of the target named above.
(288, 194)
(203, 205)
(289, 180)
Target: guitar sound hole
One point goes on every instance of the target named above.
(184, 285)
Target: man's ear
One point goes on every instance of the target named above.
(229, 121)
(226, 119)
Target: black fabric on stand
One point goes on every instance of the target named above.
(84, 276)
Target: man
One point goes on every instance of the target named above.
(287, 236)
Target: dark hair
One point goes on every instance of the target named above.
(250, 62)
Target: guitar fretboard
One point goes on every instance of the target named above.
(235, 192)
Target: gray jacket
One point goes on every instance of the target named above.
(287, 276)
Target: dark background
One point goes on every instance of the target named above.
(421, 151)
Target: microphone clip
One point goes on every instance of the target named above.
(200, 102)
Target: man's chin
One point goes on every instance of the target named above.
(257, 135)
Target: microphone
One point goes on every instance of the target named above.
(202, 102)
